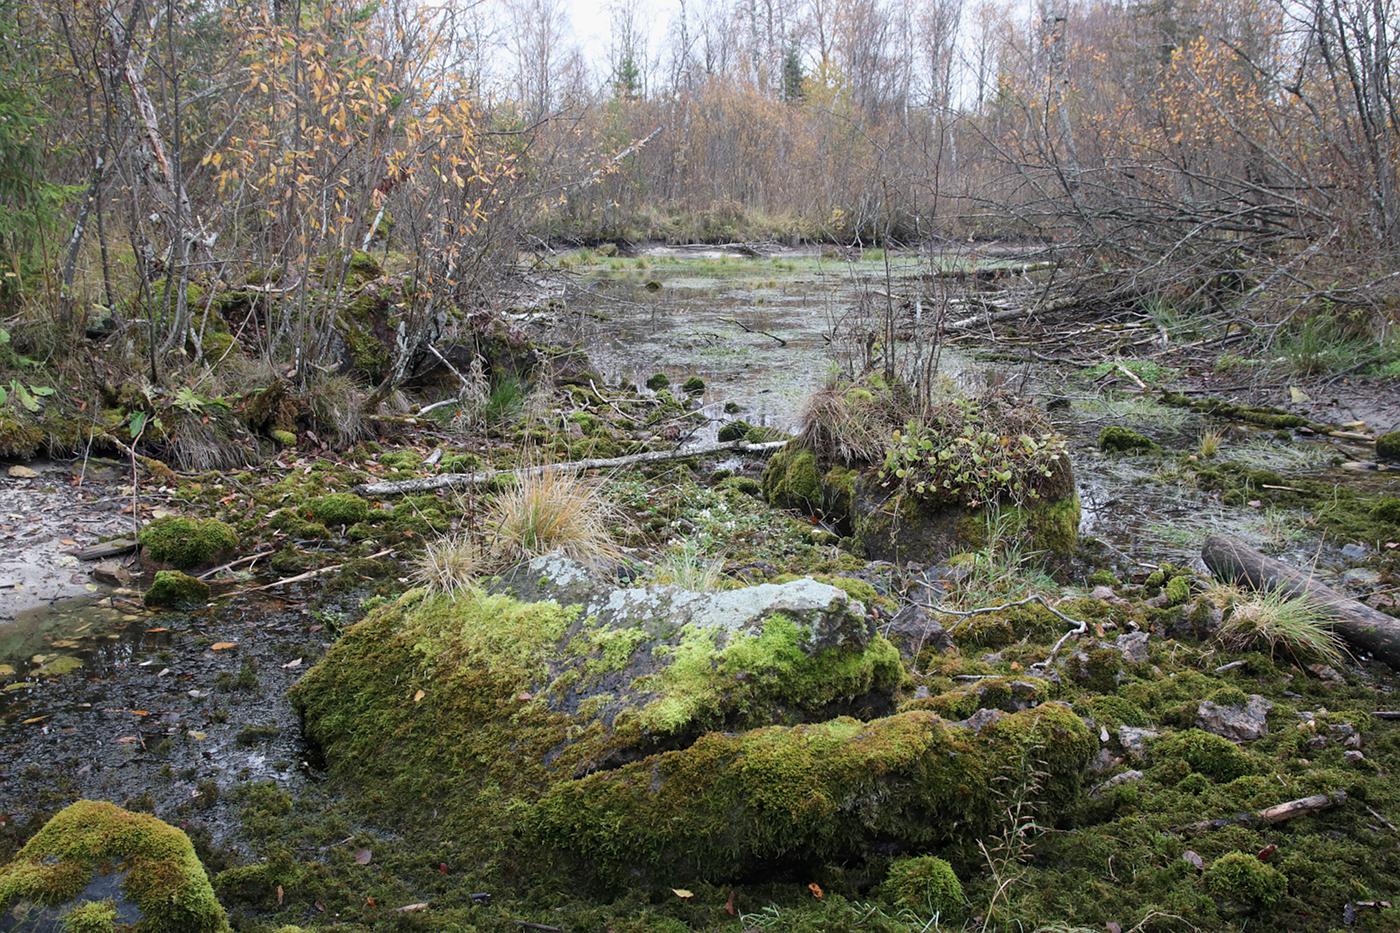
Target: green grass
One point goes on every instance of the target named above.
(1327, 343)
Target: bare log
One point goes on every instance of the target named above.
(1278, 813)
(1364, 628)
(450, 480)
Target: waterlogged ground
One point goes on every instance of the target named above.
(184, 713)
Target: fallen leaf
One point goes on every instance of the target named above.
(223, 645)
(370, 901)
(524, 696)
(682, 893)
(279, 895)
(157, 629)
(128, 739)
(816, 890)
(411, 908)
(442, 868)
(729, 904)
(291, 664)
(1267, 852)
(34, 719)
(139, 712)
(418, 697)
(362, 856)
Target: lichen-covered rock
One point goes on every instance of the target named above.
(172, 589)
(95, 866)
(730, 804)
(187, 543)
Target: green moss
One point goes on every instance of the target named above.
(926, 885)
(1240, 880)
(731, 802)
(744, 484)
(1388, 447)
(1116, 439)
(657, 381)
(791, 480)
(1053, 525)
(19, 438)
(734, 431)
(173, 589)
(1215, 757)
(186, 543)
(839, 492)
(338, 508)
(1260, 415)
(163, 876)
(1178, 590)
(283, 438)
(693, 386)
(1387, 509)
(92, 917)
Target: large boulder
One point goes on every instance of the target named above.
(95, 866)
(561, 689)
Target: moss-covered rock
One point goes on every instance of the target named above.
(1388, 447)
(926, 885)
(1116, 439)
(19, 438)
(1215, 757)
(187, 543)
(172, 589)
(1238, 880)
(729, 804)
(338, 509)
(658, 381)
(138, 871)
(791, 479)
(693, 386)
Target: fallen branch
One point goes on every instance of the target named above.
(235, 563)
(451, 480)
(1362, 627)
(753, 330)
(1278, 813)
(313, 573)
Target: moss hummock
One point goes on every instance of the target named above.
(1120, 440)
(926, 885)
(153, 863)
(173, 589)
(1239, 880)
(187, 543)
(791, 479)
(1388, 447)
(338, 508)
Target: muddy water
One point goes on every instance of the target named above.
(705, 312)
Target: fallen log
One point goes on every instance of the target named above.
(450, 480)
(1362, 627)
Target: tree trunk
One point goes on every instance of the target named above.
(1364, 628)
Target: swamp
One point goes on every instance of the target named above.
(837, 467)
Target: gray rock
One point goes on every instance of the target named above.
(1133, 647)
(1236, 723)
(1126, 777)
(912, 630)
(1353, 757)
(1361, 576)
(1101, 592)
(1134, 739)
(1354, 551)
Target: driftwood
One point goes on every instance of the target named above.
(1278, 813)
(1364, 628)
(450, 480)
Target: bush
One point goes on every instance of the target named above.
(926, 885)
(849, 423)
(1240, 880)
(186, 543)
(1388, 447)
(450, 564)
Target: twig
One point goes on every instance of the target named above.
(1278, 813)
(1079, 627)
(313, 573)
(234, 563)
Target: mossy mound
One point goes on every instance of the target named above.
(729, 805)
(657, 381)
(791, 479)
(96, 863)
(926, 885)
(1240, 881)
(173, 589)
(1250, 414)
(1388, 447)
(338, 508)
(1116, 439)
(187, 543)
(693, 386)
(19, 439)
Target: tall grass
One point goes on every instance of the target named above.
(546, 511)
(451, 564)
(687, 567)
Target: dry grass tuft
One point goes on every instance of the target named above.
(451, 564)
(550, 511)
(1209, 444)
(847, 423)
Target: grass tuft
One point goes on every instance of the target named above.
(542, 512)
(450, 565)
(1281, 624)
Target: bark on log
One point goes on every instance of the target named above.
(1364, 628)
(1278, 813)
(450, 480)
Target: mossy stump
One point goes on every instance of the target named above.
(187, 543)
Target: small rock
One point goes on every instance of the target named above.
(1133, 647)
(1325, 673)
(109, 571)
(982, 718)
(1354, 551)
(22, 472)
(1126, 777)
(1193, 859)
(1101, 592)
(912, 630)
(1236, 723)
(1361, 576)
(1134, 739)
(1352, 756)
(1104, 762)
